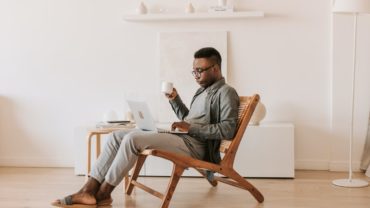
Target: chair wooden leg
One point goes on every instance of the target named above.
(139, 163)
(246, 185)
(175, 177)
(126, 180)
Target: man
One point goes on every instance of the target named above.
(212, 116)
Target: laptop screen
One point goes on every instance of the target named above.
(142, 115)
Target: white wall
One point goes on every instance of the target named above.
(64, 63)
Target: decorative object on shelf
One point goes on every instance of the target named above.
(162, 10)
(142, 9)
(195, 16)
(221, 7)
(222, 3)
(354, 8)
(259, 114)
(189, 8)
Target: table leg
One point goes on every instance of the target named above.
(97, 145)
(89, 137)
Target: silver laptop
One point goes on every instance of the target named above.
(144, 120)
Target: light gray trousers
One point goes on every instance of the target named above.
(122, 148)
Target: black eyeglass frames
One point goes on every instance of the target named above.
(198, 71)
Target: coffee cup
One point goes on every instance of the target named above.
(167, 87)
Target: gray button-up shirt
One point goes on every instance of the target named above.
(210, 122)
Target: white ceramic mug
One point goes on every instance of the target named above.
(167, 87)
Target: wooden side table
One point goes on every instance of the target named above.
(97, 132)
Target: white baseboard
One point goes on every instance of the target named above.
(344, 166)
(35, 162)
(326, 165)
(312, 165)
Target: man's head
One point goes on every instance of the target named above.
(207, 66)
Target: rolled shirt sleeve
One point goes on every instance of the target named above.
(179, 108)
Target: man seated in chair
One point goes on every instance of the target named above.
(212, 116)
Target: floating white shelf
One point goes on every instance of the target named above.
(194, 16)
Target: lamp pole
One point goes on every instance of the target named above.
(352, 7)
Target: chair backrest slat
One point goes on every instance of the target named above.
(230, 147)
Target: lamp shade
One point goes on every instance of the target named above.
(351, 6)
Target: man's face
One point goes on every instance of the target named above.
(204, 71)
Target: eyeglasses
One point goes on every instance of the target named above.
(198, 71)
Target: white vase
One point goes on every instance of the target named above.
(189, 8)
(142, 9)
(222, 3)
(259, 114)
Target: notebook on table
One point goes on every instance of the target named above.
(144, 119)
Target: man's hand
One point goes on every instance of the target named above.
(172, 95)
(181, 126)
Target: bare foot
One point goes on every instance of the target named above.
(103, 196)
(105, 202)
(103, 199)
(80, 198)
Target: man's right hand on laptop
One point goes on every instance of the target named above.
(181, 126)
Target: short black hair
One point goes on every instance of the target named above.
(210, 53)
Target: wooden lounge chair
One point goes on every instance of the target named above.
(225, 167)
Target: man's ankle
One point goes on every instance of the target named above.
(91, 186)
(104, 192)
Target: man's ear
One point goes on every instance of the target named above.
(219, 71)
(217, 67)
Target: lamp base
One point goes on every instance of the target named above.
(351, 183)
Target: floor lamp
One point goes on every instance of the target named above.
(352, 7)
